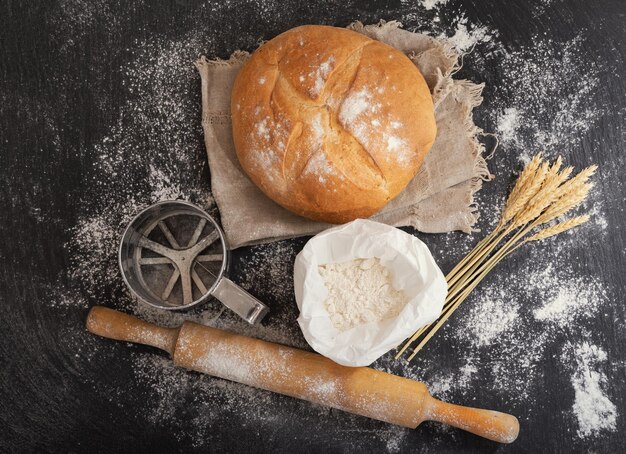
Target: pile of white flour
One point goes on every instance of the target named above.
(360, 291)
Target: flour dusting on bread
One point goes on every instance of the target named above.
(319, 166)
(354, 105)
(320, 74)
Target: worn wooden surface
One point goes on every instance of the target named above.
(62, 90)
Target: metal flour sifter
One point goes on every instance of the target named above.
(173, 256)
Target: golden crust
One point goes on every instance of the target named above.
(331, 124)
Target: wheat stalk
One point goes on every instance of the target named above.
(528, 182)
(558, 228)
(541, 194)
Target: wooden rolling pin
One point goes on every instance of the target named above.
(301, 374)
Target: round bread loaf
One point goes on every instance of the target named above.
(329, 123)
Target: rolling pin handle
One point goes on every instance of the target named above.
(493, 425)
(116, 325)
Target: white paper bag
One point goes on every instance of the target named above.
(414, 271)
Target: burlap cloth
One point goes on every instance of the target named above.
(438, 199)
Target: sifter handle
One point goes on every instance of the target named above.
(239, 301)
(116, 325)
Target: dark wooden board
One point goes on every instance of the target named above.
(63, 91)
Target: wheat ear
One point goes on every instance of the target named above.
(558, 228)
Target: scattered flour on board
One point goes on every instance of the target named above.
(492, 318)
(527, 124)
(572, 300)
(268, 269)
(548, 70)
(437, 18)
(467, 36)
(594, 207)
(593, 409)
(509, 121)
(444, 385)
(527, 76)
(431, 4)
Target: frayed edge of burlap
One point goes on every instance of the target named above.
(469, 94)
(239, 56)
(443, 87)
(360, 27)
